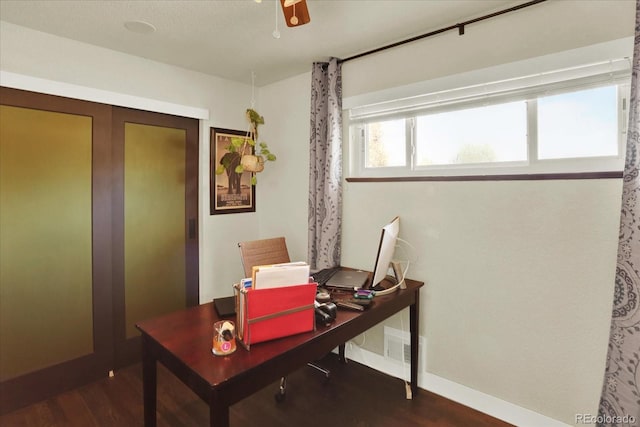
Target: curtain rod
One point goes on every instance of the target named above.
(460, 26)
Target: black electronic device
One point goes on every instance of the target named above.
(322, 276)
(323, 318)
(326, 313)
(323, 296)
(329, 308)
(225, 306)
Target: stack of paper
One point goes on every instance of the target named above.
(279, 275)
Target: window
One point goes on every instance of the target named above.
(495, 133)
(385, 145)
(575, 125)
(578, 124)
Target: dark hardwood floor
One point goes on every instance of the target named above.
(354, 396)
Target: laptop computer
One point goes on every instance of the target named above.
(348, 279)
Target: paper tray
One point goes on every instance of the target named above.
(267, 314)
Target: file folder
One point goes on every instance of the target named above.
(268, 314)
(278, 275)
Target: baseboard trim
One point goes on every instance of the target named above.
(475, 399)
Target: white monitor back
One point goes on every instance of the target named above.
(385, 250)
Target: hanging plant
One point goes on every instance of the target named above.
(252, 154)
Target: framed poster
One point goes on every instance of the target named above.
(231, 192)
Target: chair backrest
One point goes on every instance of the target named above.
(263, 252)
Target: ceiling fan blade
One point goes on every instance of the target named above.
(295, 12)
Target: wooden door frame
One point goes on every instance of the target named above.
(37, 385)
(128, 351)
(107, 248)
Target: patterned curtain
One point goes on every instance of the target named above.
(620, 401)
(325, 165)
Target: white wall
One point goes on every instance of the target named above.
(92, 72)
(519, 281)
(283, 188)
(519, 274)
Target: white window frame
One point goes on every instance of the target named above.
(527, 88)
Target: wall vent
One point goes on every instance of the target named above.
(397, 347)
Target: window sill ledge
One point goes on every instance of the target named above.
(511, 177)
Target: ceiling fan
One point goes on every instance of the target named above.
(295, 12)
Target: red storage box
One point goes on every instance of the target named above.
(267, 314)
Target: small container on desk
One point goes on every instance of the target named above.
(267, 314)
(224, 338)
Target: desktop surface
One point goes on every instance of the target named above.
(182, 342)
(188, 333)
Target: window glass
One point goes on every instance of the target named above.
(495, 133)
(385, 144)
(569, 126)
(578, 124)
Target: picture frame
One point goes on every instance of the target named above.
(230, 192)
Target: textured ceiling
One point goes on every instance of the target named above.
(233, 38)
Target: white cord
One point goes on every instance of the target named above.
(351, 342)
(276, 32)
(294, 18)
(413, 248)
(364, 340)
(396, 286)
(253, 90)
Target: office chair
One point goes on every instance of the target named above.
(265, 252)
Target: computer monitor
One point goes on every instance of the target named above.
(385, 251)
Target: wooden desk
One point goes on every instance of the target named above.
(181, 341)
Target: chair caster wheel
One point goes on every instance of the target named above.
(282, 390)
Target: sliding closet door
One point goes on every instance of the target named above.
(55, 245)
(155, 209)
(98, 230)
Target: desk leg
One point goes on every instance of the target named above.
(218, 411)
(341, 356)
(149, 381)
(414, 321)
